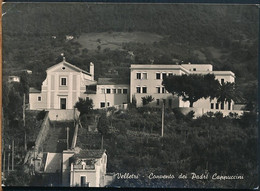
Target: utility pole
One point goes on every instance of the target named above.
(102, 142)
(3, 143)
(34, 161)
(8, 162)
(4, 163)
(162, 118)
(25, 138)
(13, 155)
(67, 138)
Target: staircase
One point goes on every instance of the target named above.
(56, 141)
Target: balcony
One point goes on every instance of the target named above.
(83, 167)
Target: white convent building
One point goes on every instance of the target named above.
(147, 80)
(66, 83)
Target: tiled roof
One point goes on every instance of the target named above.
(90, 154)
(112, 81)
(33, 90)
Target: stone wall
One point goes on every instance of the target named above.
(44, 129)
(43, 132)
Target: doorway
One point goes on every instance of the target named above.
(62, 103)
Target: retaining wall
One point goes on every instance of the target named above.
(201, 111)
(75, 135)
(45, 126)
(62, 114)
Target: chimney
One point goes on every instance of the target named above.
(91, 70)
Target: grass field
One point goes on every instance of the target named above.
(115, 40)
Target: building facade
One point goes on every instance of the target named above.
(66, 83)
(84, 168)
(108, 92)
(146, 80)
(13, 79)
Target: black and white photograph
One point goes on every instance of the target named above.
(130, 95)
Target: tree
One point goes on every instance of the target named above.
(250, 95)
(84, 106)
(147, 99)
(18, 178)
(192, 87)
(24, 83)
(226, 92)
(99, 47)
(102, 127)
(133, 104)
(41, 115)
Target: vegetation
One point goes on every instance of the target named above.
(226, 92)
(84, 106)
(147, 99)
(102, 127)
(211, 143)
(192, 87)
(37, 43)
(18, 178)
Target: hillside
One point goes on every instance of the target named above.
(107, 34)
(216, 144)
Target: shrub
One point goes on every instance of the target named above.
(41, 115)
(147, 99)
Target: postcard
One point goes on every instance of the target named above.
(154, 95)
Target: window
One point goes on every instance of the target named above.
(157, 102)
(91, 88)
(119, 91)
(222, 105)
(39, 98)
(163, 90)
(144, 76)
(164, 76)
(170, 102)
(170, 74)
(108, 91)
(229, 106)
(102, 90)
(102, 104)
(212, 106)
(158, 90)
(144, 90)
(124, 91)
(87, 98)
(114, 91)
(108, 104)
(222, 81)
(164, 101)
(194, 69)
(138, 90)
(63, 81)
(216, 105)
(158, 76)
(138, 76)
